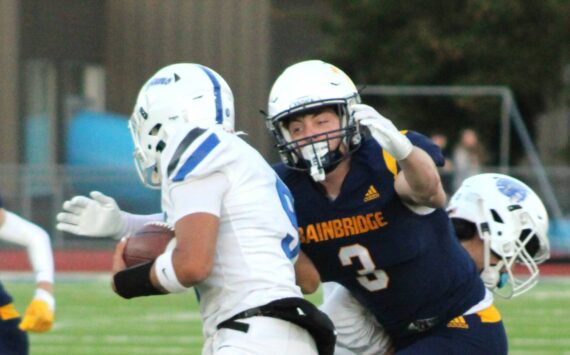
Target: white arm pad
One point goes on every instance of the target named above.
(166, 275)
(36, 240)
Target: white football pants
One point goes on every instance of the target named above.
(266, 335)
(358, 331)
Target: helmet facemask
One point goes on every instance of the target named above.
(318, 154)
(517, 271)
(148, 145)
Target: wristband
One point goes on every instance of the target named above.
(135, 282)
(166, 275)
(45, 296)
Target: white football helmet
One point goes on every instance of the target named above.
(177, 94)
(307, 86)
(513, 224)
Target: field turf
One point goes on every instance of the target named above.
(90, 319)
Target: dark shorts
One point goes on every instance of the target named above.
(13, 341)
(479, 333)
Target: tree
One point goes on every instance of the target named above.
(520, 44)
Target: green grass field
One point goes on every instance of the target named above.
(92, 320)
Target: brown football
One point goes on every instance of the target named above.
(147, 244)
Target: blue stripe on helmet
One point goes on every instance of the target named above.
(197, 156)
(217, 93)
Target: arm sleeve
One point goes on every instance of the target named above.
(36, 240)
(134, 222)
(199, 195)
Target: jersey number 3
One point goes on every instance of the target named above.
(371, 278)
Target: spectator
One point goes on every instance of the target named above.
(467, 157)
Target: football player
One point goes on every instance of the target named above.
(236, 233)
(502, 224)
(39, 315)
(369, 204)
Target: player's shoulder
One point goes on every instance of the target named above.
(281, 169)
(417, 137)
(288, 175)
(425, 143)
(197, 151)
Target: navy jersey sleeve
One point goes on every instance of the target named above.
(280, 169)
(423, 142)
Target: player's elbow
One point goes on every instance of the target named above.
(431, 193)
(192, 273)
(435, 196)
(309, 287)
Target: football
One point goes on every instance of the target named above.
(147, 244)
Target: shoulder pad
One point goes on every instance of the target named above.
(198, 153)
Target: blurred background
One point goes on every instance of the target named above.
(488, 80)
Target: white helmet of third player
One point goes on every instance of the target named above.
(513, 223)
(177, 94)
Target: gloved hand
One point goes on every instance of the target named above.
(39, 315)
(383, 131)
(98, 216)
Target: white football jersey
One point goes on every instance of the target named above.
(258, 240)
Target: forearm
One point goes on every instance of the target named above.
(306, 274)
(19, 231)
(47, 286)
(422, 180)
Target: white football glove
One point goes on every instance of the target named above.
(383, 131)
(98, 216)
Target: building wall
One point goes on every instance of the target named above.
(9, 104)
(232, 37)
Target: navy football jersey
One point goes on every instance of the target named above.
(408, 269)
(5, 297)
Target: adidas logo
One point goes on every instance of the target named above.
(371, 194)
(458, 322)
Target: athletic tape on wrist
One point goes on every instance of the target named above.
(135, 282)
(166, 275)
(405, 149)
(45, 296)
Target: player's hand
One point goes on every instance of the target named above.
(383, 131)
(39, 315)
(97, 216)
(118, 260)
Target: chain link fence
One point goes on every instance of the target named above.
(37, 193)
